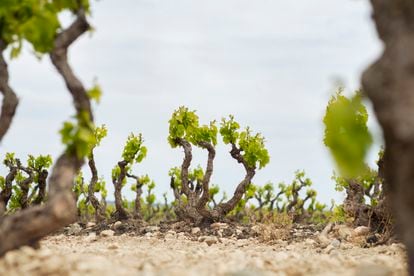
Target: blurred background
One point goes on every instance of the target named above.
(273, 64)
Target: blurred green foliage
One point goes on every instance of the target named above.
(346, 133)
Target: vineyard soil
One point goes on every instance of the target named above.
(196, 252)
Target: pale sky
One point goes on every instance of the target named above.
(273, 64)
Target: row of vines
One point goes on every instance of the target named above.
(194, 198)
(38, 196)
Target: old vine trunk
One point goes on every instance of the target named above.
(389, 83)
(30, 225)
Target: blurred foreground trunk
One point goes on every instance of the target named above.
(27, 227)
(389, 83)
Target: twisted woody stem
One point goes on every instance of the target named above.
(10, 100)
(30, 225)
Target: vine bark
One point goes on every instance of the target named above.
(389, 83)
(30, 225)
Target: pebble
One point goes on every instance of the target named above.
(90, 224)
(74, 229)
(323, 240)
(195, 230)
(256, 229)
(152, 229)
(91, 237)
(360, 231)
(107, 233)
(209, 240)
(117, 225)
(219, 225)
(335, 243)
(344, 232)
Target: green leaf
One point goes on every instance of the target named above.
(183, 124)
(134, 150)
(346, 133)
(95, 93)
(79, 137)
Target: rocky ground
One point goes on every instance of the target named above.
(221, 249)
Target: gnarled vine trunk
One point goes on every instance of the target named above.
(41, 194)
(121, 213)
(389, 83)
(99, 211)
(10, 101)
(30, 225)
(195, 208)
(138, 193)
(6, 193)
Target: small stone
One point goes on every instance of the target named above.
(335, 243)
(328, 249)
(74, 229)
(219, 225)
(323, 240)
(211, 240)
(149, 229)
(344, 232)
(91, 237)
(195, 230)
(113, 246)
(256, 229)
(117, 225)
(90, 224)
(208, 239)
(149, 235)
(107, 233)
(360, 231)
